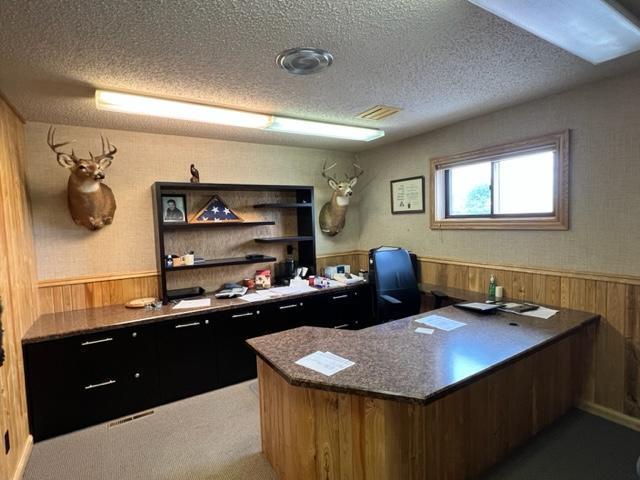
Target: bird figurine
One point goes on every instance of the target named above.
(195, 174)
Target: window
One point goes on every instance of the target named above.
(522, 185)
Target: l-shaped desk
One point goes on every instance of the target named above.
(417, 406)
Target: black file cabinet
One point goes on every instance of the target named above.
(88, 379)
(82, 380)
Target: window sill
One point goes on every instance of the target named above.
(512, 223)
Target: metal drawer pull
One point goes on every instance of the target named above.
(103, 384)
(284, 307)
(93, 342)
(248, 314)
(344, 325)
(185, 325)
(338, 297)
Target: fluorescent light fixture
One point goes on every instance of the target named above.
(159, 107)
(307, 127)
(594, 30)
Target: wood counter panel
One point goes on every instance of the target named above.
(321, 435)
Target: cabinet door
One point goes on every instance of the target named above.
(236, 360)
(347, 308)
(286, 315)
(186, 357)
(87, 379)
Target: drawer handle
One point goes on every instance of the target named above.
(338, 297)
(103, 384)
(185, 325)
(284, 307)
(93, 342)
(238, 315)
(344, 325)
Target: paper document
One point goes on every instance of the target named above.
(254, 297)
(426, 331)
(441, 323)
(198, 303)
(540, 312)
(292, 289)
(326, 363)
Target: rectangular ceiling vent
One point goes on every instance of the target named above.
(378, 112)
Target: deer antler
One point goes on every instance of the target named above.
(325, 170)
(357, 171)
(108, 150)
(55, 146)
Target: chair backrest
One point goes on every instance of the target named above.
(394, 276)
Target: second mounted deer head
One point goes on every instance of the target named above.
(333, 213)
(91, 203)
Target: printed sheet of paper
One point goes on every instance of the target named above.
(426, 331)
(200, 302)
(441, 323)
(326, 363)
(540, 312)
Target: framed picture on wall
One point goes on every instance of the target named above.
(407, 195)
(174, 208)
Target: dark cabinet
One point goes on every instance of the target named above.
(350, 309)
(88, 379)
(187, 361)
(236, 361)
(82, 380)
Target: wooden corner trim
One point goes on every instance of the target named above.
(24, 458)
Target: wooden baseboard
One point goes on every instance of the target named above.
(24, 458)
(611, 415)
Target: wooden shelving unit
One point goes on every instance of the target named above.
(193, 226)
(282, 205)
(301, 200)
(223, 262)
(301, 238)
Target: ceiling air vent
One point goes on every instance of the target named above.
(378, 112)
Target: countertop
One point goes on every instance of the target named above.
(394, 362)
(58, 325)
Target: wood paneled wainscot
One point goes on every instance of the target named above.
(17, 291)
(447, 405)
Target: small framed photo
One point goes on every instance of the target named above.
(174, 209)
(407, 195)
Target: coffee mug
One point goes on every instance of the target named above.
(188, 259)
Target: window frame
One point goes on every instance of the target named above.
(441, 219)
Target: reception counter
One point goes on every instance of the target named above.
(418, 406)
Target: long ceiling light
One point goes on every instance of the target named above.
(594, 30)
(159, 107)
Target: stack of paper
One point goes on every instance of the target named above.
(442, 323)
(326, 363)
(540, 312)
(200, 302)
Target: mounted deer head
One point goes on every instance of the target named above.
(91, 203)
(333, 213)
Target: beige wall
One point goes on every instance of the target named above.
(66, 250)
(604, 235)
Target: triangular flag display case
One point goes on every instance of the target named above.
(214, 211)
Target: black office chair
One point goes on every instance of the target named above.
(395, 287)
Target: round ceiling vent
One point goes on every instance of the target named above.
(304, 61)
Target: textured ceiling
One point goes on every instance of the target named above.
(439, 60)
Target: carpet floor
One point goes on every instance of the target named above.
(216, 436)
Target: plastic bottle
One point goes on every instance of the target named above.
(492, 287)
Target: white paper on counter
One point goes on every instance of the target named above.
(426, 331)
(253, 297)
(326, 363)
(540, 312)
(441, 323)
(200, 302)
